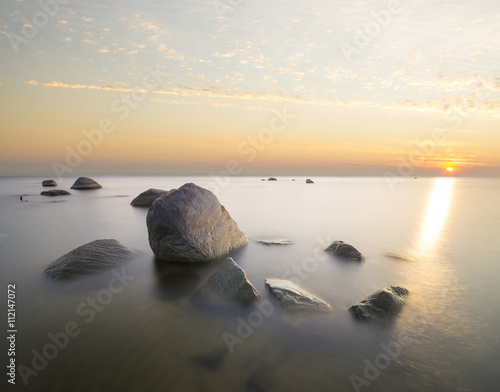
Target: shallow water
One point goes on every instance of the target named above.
(438, 237)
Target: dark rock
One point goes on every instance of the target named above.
(228, 283)
(344, 251)
(272, 179)
(308, 181)
(190, 225)
(55, 192)
(293, 298)
(213, 359)
(275, 241)
(85, 183)
(49, 183)
(90, 258)
(146, 198)
(387, 301)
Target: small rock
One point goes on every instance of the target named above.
(345, 251)
(146, 198)
(49, 183)
(272, 179)
(387, 301)
(308, 181)
(294, 298)
(275, 241)
(55, 192)
(85, 183)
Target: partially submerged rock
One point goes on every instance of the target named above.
(309, 181)
(190, 225)
(49, 183)
(294, 299)
(344, 251)
(272, 179)
(275, 241)
(55, 192)
(146, 198)
(228, 283)
(90, 258)
(384, 302)
(86, 183)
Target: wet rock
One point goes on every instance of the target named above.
(294, 298)
(90, 258)
(308, 181)
(146, 198)
(190, 225)
(344, 251)
(275, 241)
(384, 302)
(272, 179)
(85, 183)
(49, 183)
(55, 192)
(228, 283)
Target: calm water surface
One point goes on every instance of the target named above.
(150, 335)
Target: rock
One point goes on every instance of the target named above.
(211, 360)
(55, 192)
(344, 251)
(190, 225)
(293, 298)
(275, 241)
(85, 183)
(308, 181)
(90, 258)
(49, 183)
(398, 257)
(387, 301)
(146, 198)
(272, 179)
(228, 283)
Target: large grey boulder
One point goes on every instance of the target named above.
(387, 301)
(146, 198)
(228, 283)
(190, 225)
(49, 183)
(90, 258)
(294, 298)
(344, 251)
(55, 192)
(85, 183)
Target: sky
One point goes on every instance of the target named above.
(250, 87)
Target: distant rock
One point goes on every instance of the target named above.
(275, 241)
(344, 251)
(309, 181)
(146, 198)
(387, 301)
(228, 283)
(85, 183)
(90, 258)
(272, 179)
(263, 179)
(398, 257)
(293, 298)
(213, 359)
(55, 192)
(190, 225)
(49, 183)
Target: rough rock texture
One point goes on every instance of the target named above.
(344, 251)
(228, 283)
(294, 298)
(387, 301)
(146, 198)
(85, 183)
(190, 225)
(49, 183)
(272, 179)
(275, 241)
(55, 192)
(90, 258)
(308, 181)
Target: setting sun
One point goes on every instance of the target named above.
(450, 169)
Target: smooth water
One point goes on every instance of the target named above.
(438, 237)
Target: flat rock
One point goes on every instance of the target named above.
(275, 241)
(272, 179)
(146, 198)
(344, 251)
(309, 181)
(228, 283)
(90, 258)
(86, 183)
(294, 298)
(384, 302)
(49, 183)
(55, 192)
(190, 225)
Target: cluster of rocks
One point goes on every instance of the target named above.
(81, 183)
(308, 181)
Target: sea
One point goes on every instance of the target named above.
(137, 327)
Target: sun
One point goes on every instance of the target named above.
(450, 169)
